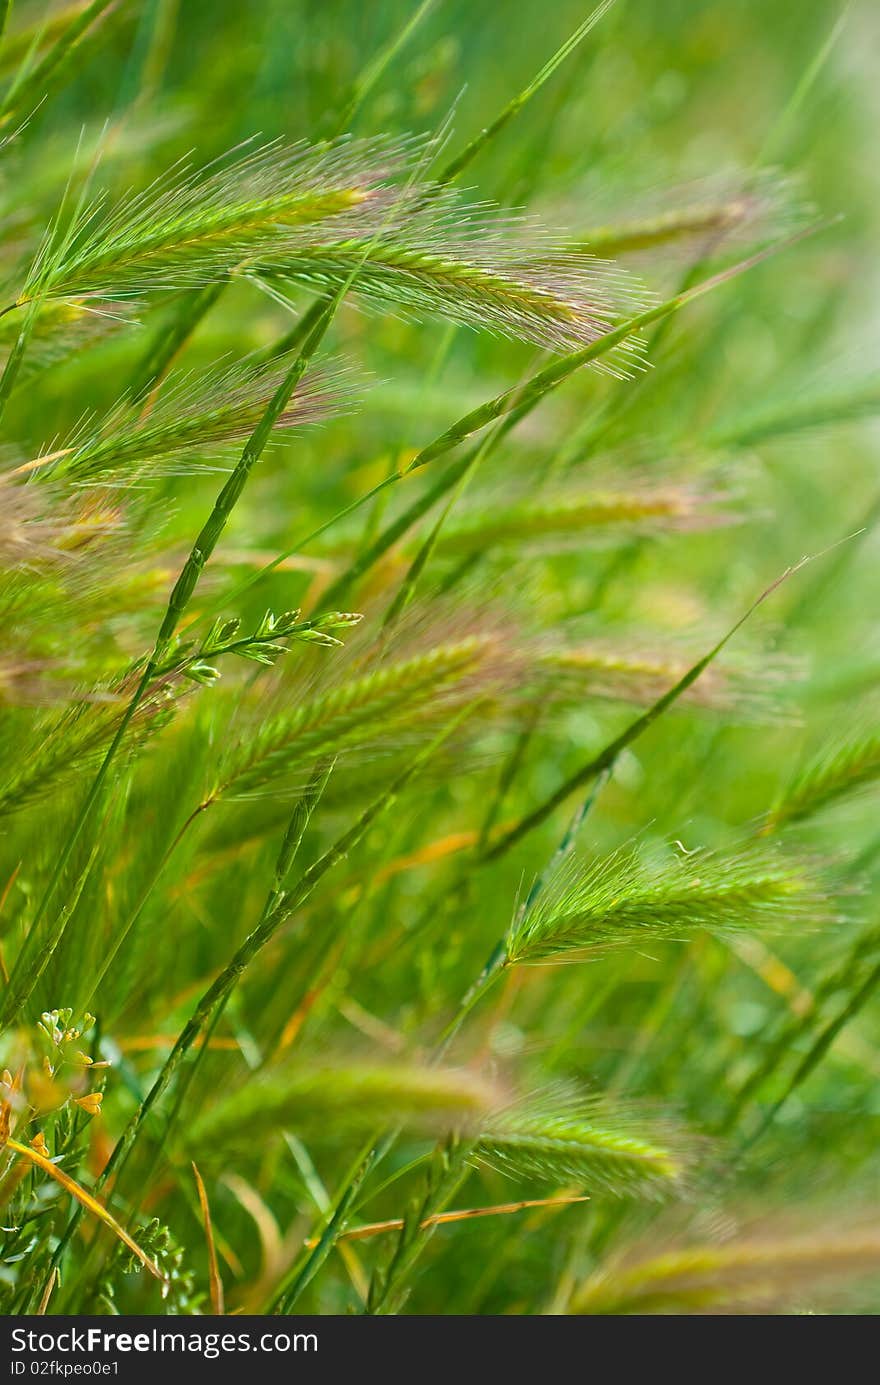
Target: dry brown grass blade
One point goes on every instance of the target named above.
(217, 1301)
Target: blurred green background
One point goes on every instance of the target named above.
(662, 97)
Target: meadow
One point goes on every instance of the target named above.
(438, 687)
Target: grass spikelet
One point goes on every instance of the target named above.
(729, 209)
(555, 523)
(588, 1142)
(64, 745)
(193, 417)
(839, 770)
(478, 269)
(748, 1274)
(627, 900)
(390, 694)
(355, 1096)
(633, 669)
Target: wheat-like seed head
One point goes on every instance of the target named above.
(378, 694)
(627, 900)
(194, 416)
(847, 766)
(579, 515)
(308, 215)
(728, 209)
(639, 669)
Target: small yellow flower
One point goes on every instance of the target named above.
(90, 1103)
(44, 1092)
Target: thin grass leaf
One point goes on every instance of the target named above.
(514, 106)
(373, 71)
(23, 42)
(447, 1170)
(217, 1302)
(855, 402)
(818, 1049)
(850, 977)
(499, 1209)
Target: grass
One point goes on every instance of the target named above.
(437, 517)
